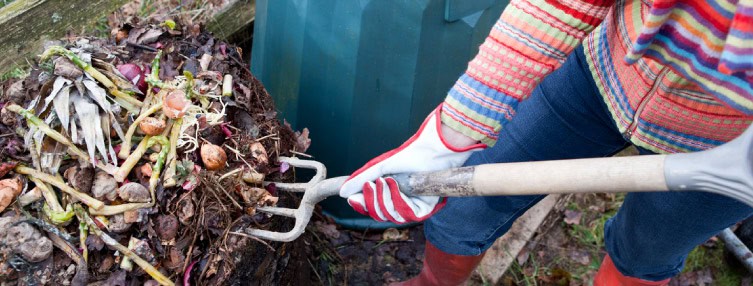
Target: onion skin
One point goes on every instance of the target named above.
(152, 126)
(175, 104)
(131, 72)
(213, 156)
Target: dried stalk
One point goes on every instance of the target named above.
(49, 196)
(128, 102)
(109, 241)
(172, 156)
(125, 147)
(134, 158)
(60, 138)
(58, 183)
(227, 85)
(83, 234)
(119, 209)
(126, 168)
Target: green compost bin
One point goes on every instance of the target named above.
(363, 74)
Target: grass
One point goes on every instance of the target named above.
(5, 2)
(558, 268)
(14, 73)
(703, 257)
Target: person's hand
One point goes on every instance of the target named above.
(434, 147)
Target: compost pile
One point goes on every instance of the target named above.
(138, 159)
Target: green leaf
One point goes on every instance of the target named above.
(169, 23)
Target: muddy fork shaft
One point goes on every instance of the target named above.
(597, 175)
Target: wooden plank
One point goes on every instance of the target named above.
(27, 24)
(505, 250)
(233, 23)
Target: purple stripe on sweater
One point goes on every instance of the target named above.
(711, 74)
(744, 9)
(690, 46)
(741, 34)
(737, 50)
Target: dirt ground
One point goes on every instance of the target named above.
(566, 250)
(344, 257)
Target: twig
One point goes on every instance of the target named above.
(109, 241)
(143, 47)
(57, 182)
(190, 251)
(228, 174)
(301, 154)
(214, 193)
(254, 238)
(265, 137)
(229, 196)
(238, 155)
(82, 270)
(315, 272)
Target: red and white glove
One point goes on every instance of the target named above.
(369, 193)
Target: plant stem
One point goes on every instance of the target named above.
(83, 233)
(160, 164)
(227, 85)
(49, 196)
(119, 209)
(109, 241)
(125, 147)
(58, 218)
(172, 156)
(153, 79)
(72, 149)
(57, 182)
(131, 160)
(128, 102)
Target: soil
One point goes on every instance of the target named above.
(345, 257)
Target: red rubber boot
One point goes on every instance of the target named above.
(443, 269)
(608, 275)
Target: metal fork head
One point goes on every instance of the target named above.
(726, 170)
(314, 191)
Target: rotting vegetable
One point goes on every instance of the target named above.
(165, 144)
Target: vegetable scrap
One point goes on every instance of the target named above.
(136, 157)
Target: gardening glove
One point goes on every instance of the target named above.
(372, 194)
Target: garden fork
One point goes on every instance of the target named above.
(725, 170)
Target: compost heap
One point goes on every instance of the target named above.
(137, 159)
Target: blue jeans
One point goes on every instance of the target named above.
(566, 118)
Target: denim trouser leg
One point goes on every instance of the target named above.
(565, 118)
(652, 233)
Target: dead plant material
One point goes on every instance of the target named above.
(166, 136)
(9, 190)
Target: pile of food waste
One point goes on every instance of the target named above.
(138, 160)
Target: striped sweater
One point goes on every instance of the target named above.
(675, 74)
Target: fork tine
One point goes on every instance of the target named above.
(316, 193)
(278, 211)
(273, 235)
(321, 173)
